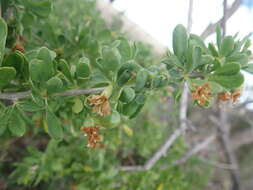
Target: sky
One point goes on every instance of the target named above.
(159, 17)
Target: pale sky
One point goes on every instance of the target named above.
(159, 17)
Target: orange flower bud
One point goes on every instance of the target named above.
(224, 96)
(202, 94)
(236, 95)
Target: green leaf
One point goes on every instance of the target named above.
(30, 55)
(173, 61)
(15, 60)
(127, 71)
(3, 36)
(40, 8)
(133, 108)
(47, 56)
(243, 59)
(38, 99)
(115, 118)
(6, 75)
(3, 122)
(206, 60)
(128, 130)
(111, 120)
(82, 68)
(246, 45)
(104, 35)
(180, 42)
(54, 126)
(64, 68)
(16, 125)
(159, 81)
(229, 82)
(213, 50)
(227, 46)
(196, 58)
(127, 95)
(111, 61)
(177, 93)
(141, 79)
(78, 105)
(228, 69)
(175, 74)
(249, 68)
(192, 83)
(39, 71)
(29, 106)
(217, 63)
(199, 42)
(124, 78)
(54, 85)
(124, 49)
(215, 87)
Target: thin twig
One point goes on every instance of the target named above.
(224, 18)
(217, 164)
(190, 10)
(197, 148)
(183, 107)
(159, 153)
(27, 94)
(222, 129)
(230, 11)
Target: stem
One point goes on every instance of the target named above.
(27, 94)
(115, 95)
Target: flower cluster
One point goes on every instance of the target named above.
(202, 93)
(94, 138)
(234, 96)
(19, 45)
(100, 104)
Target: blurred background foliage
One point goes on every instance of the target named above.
(74, 29)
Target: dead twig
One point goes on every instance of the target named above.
(229, 12)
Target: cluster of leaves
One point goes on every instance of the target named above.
(46, 74)
(51, 59)
(217, 65)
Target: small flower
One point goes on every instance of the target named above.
(19, 44)
(236, 95)
(94, 137)
(202, 94)
(100, 104)
(18, 47)
(224, 96)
